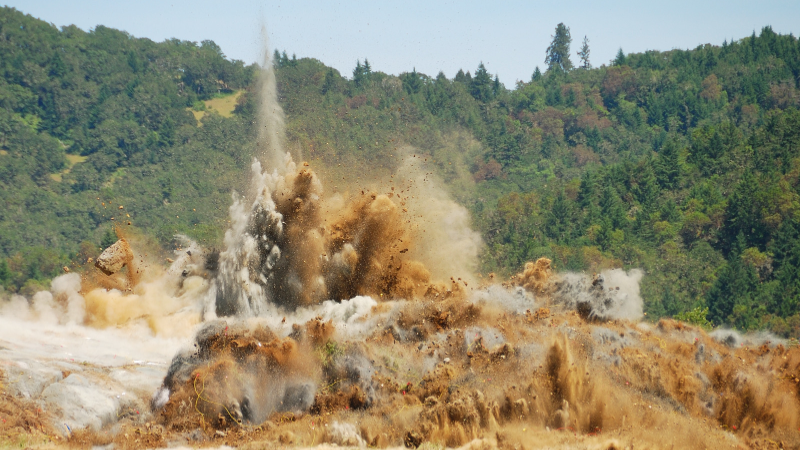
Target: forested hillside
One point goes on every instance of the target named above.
(91, 121)
(683, 163)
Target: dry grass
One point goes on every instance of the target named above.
(71, 161)
(23, 424)
(223, 106)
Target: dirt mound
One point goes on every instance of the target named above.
(504, 379)
(238, 374)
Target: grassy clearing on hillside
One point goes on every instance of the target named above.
(71, 161)
(223, 105)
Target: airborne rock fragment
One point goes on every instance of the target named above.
(115, 257)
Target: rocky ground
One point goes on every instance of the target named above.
(473, 371)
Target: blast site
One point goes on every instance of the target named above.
(358, 319)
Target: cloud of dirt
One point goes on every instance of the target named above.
(611, 294)
(515, 300)
(536, 275)
(239, 372)
(734, 339)
(291, 249)
(345, 434)
(445, 241)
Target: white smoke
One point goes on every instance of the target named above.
(345, 434)
(271, 134)
(45, 307)
(516, 300)
(68, 286)
(612, 294)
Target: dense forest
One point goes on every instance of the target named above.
(684, 163)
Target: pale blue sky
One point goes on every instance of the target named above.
(510, 37)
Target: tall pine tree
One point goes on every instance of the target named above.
(620, 59)
(667, 166)
(481, 86)
(736, 286)
(558, 52)
(584, 54)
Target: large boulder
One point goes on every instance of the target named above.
(80, 403)
(115, 257)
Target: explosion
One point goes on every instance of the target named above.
(292, 249)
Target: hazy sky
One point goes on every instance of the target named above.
(510, 37)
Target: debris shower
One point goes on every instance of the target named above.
(358, 320)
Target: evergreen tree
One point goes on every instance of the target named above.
(412, 82)
(605, 235)
(736, 286)
(670, 302)
(460, 77)
(711, 59)
(643, 226)
(587, 191)
(109, 238)
(329, 83)
(743, 216)
(537, 74)
(669, 211)
(481, 86)
(612, 208)
(359, 76)
(620, 59)
(786, 252)
(584, 54)
(5, 272)
(558, 52)
(646, 190)
(559, 222)
(667, 166)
